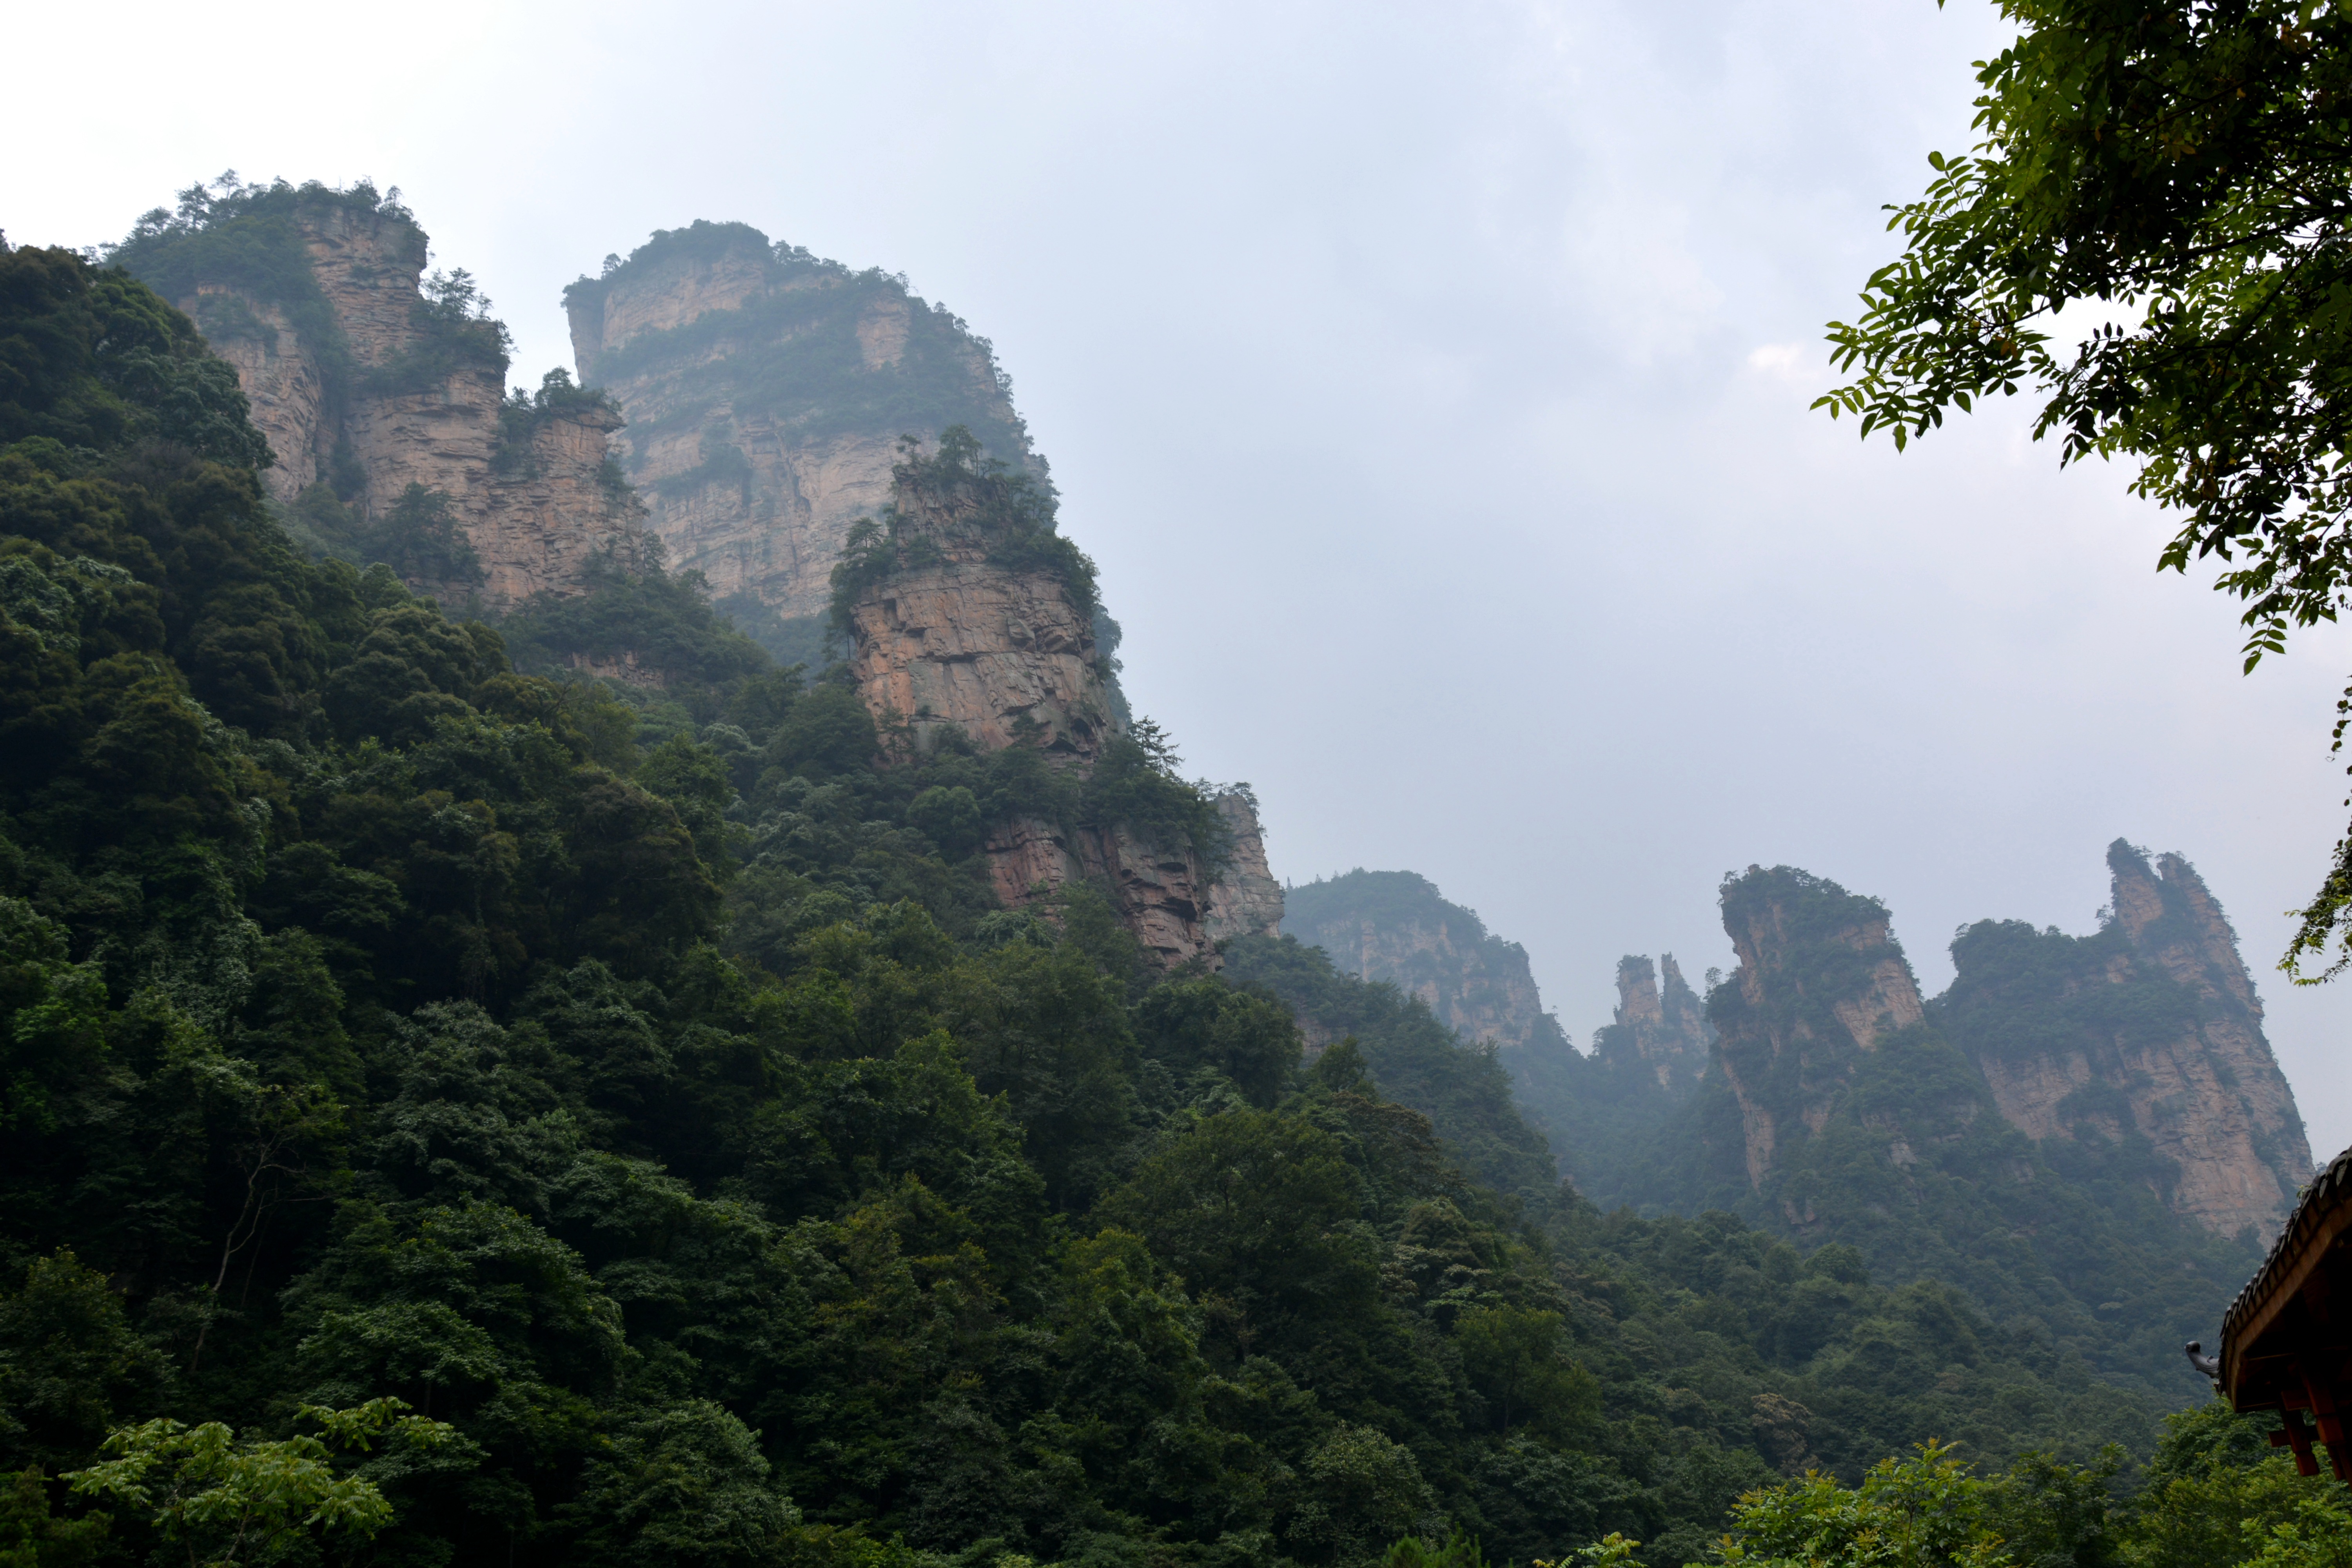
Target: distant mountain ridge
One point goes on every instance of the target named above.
(1395, 926)
(2090, 1133)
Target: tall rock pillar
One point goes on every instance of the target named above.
(958, 620)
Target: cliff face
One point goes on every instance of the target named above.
(2144, 1037)
(1247, 901)
(280, 375)
(1819, 981)
(1395, 926)
(951, 645)
(361, 379)
(997, 655)
(552, 506)
(766, 392)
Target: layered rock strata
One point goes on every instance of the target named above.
(2149, 1030)
(383, 389)
(1000, 656)
(766, 392)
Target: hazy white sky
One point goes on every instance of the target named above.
(1429, 384)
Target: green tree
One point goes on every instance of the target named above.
(421, 538)
(683, 1486)
(31, 1536)
(1512, 1356)
(1262, 1208)
(226, 1502)
(69, 1362)
(1362, 1488)
(2214, 1486)
(1925, 1512)
(2185, 167)
(2317, 1535)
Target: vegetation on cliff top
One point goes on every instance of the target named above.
(1391, 900)
(244, 236)
(958, 489)
(944, 375)
(248, 238)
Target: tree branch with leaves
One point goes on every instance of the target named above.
(2187, 167)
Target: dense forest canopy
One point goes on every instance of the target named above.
(459, 1116)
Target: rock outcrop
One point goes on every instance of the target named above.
(1395, 926)
(1000, 655)
(2145, 1034)
(1247, 900)
(1659, 1032)
(280, 375)
(2136, 1052)
(1821, 979)
(953, 632)
(552, 506)
(766, 392)
(361, 379)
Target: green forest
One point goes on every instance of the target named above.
(457, 1116)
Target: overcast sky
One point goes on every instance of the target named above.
(1429, 384)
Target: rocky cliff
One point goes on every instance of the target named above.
(1395, 926)
(368, 379)
(2145, 1036)
(970, 625)
(1660, 1031)
(1821, 979)
(766, 392)
(2133, 1058)
(1840, 1107)
(1247, 900)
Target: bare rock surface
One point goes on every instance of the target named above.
(1002, 656)
(553, 511)
(279, 373)
(1247, 900)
